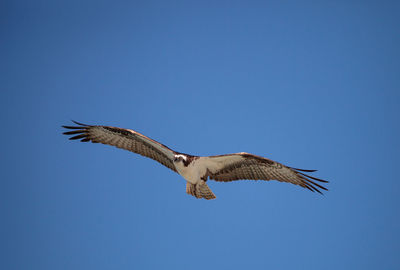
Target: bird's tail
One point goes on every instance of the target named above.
(200, 190)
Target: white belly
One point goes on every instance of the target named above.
(191, 173)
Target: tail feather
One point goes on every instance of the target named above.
(191, 189)
(200, 190)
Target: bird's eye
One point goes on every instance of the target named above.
(175, 159)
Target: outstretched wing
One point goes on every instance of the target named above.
(123, 138)
(242, 166)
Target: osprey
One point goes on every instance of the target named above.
(195, 169)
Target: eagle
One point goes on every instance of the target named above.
(196, 170)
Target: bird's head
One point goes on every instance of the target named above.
(179, 158)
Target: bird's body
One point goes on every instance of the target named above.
(195, 169)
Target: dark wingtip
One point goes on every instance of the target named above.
(311, 185)
(319, 191)
(303, 170)
(315, 178)
(79, 131)
(72, 127)
(313, 188)
(308, 180)
(78, 123)
(80, 136)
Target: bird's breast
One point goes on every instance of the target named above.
(192, 173)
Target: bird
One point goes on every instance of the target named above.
(196, 170)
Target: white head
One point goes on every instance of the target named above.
(179, 158)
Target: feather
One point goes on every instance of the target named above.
(123, 138)
(251, 167)
(78, 137)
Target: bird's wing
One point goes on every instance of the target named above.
(123, 138)
(242, 166)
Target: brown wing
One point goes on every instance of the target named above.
(242, 166)
(123, 138)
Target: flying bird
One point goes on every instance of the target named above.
(196, 169)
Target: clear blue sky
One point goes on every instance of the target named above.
(313, 85)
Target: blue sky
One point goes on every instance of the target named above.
(313, 85)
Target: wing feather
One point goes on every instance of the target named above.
(125, 139)
(244, 166)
